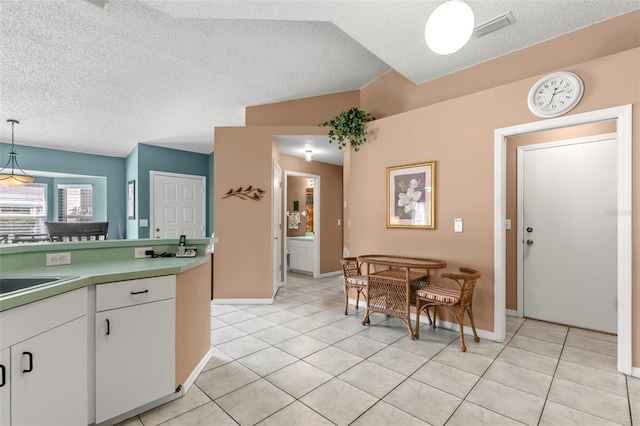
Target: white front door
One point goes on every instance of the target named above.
(277, 226)
(178, 205)
(569, 232)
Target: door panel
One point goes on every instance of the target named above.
(569, 242)
(178, 206)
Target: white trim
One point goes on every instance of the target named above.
(483, 334)
(330, 274)
(624, 142)
(142, 409)
(512, 313)
(276, 206)
(316, 217)
(196, 371)
(152, 174)
(267, 301)
(635, 372)
(520, 201)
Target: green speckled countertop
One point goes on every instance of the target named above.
(94, 262)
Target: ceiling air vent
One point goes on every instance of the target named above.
(102, 4)
(492, 25)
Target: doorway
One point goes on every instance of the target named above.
(177, 205)
(622, 115)
(565, 189)
(308, 256)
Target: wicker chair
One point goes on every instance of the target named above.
(455, 300)
(353, 278)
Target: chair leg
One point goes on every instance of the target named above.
(346, 299)
(473, 325)
(417, 333)
(357, 297)
(463, 347)
(435, 313)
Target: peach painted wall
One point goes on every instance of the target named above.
(301, 112)
(193, 313)
(330, 207)
(296, 188)
(512, 188)
(393, 94)
(452, 120)
(459, 135)
(244, 228)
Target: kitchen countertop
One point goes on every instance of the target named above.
(94, 262)
(96, 273)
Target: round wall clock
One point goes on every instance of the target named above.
(555, 94)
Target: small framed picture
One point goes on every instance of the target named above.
(411, 196)
(131, 199)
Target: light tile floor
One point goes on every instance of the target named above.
(301, 361)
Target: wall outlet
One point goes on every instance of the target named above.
(54, 259)
(140, 252)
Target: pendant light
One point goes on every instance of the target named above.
(13, 179)
(449, 27)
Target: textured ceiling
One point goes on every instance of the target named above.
(88, 79)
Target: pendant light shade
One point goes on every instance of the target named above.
(14, 179)
(449, 27)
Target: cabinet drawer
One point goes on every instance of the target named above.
(134, 292)
(26, 321)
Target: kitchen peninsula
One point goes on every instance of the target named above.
(116, 335)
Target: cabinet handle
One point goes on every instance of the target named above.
(108, 327)
(4, 375)
(30, 355)
(140, 292)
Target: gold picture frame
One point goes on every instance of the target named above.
(411, 196)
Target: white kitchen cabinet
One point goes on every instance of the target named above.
(301, 254)
(135, 344)
(5, 390)
(49, 377)
(44, 354)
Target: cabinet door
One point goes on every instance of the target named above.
(49, 377)
(5, 380)
(295, 258)
(135, 357)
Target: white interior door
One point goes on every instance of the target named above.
(178, 205)
(277, 225)
(569, 233)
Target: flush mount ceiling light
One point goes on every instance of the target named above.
(13, 179)
(449, 27)
(308, 155)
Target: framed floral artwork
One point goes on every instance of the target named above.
(411, 196)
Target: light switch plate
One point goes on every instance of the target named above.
(508, 224)
(457, 224)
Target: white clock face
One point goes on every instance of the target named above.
(555, 94)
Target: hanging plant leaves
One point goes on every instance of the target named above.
(349, 126)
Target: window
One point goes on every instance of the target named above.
(23, 210)
(75, 203)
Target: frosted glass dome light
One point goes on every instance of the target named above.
(449, 27)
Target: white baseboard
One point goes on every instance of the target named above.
(483, 334)
(511, 313)
(330, 274)
(268, 301)
(196, 372)
(635, 372)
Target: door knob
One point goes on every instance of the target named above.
(529, 242)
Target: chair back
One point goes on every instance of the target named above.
(350, 267)
(466, 279)
(77, 231)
